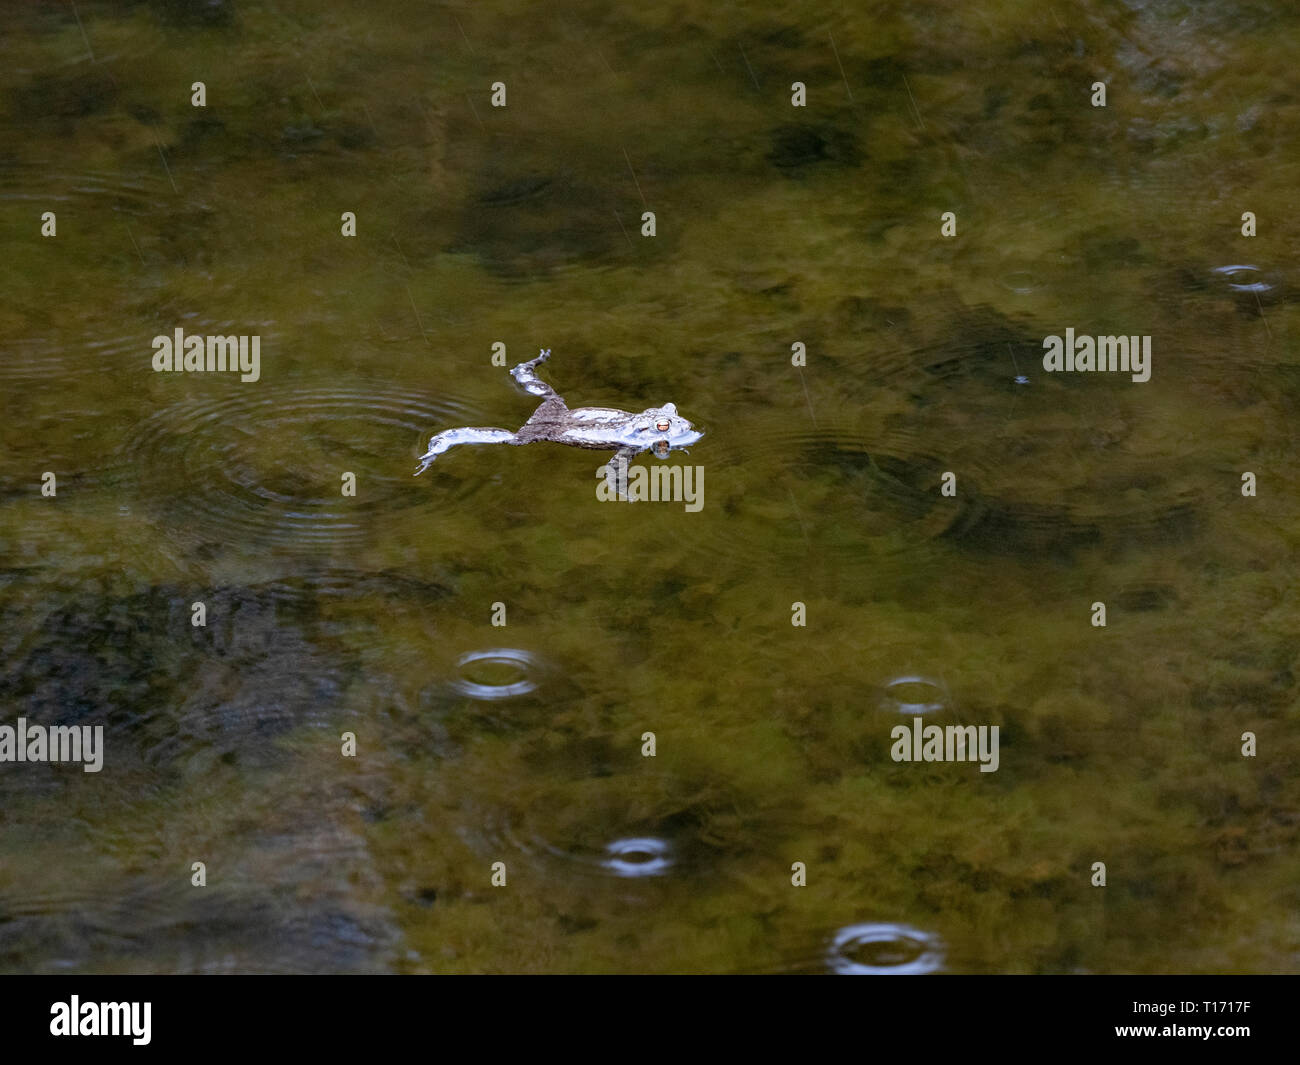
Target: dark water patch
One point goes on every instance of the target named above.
(169, 694)
(980, 344)
(1001, 526)
(1145, 596)
(543, 221)
(868, 315)
(266, 464)
(1261, 679)
(1107, 248)
(88, 656)
(196, 14)
(585, 753)
(1016, 528)
(843, 495)
(516, 190)
(354, 137)
(301, 133)
(1033, 129)
(901, 485)
(59, 100)
(76, 446)
(151, 926)
(779, 35)
(797, 147)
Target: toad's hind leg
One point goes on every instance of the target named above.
(468, 435)
(525, 373)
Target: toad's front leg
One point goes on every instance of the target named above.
(615, 471)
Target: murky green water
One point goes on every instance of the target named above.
(522, 744)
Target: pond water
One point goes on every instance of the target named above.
(525, 743)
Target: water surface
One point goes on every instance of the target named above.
(372, 614)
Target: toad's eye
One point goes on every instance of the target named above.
(663, 425)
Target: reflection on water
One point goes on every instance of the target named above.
(350, 692)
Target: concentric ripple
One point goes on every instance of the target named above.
(597, 827)
(93, 189)
(1049, 481)
(497, 673)
(831, 493)
(266, 464)
(914, 695)
(1244, 278)
(43, 356)
(629, 858)
(643, 856)
(884, 950)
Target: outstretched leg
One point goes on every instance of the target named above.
(469, 435)
(525, 374)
